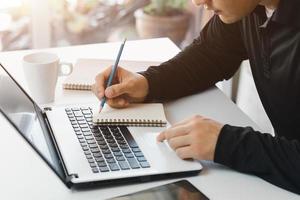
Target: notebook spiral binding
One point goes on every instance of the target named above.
(70, 86)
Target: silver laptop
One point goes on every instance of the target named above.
(82, 154)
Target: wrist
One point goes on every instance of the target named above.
(146, 87)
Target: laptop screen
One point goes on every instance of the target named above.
(26, 116)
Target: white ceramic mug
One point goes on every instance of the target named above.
(41, 72)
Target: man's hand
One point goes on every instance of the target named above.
(128, 87)
(193, 138)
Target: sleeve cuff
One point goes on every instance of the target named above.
(228, 143)
(150, 96)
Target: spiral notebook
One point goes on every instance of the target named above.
(86, 69)
(145, 114)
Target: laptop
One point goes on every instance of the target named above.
(82, 154)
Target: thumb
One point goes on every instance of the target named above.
(116, 90)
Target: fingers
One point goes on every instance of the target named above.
(173, 132)
(99, 87)
(185, 152)
(179, 141)
(119, 102)
(116, 90)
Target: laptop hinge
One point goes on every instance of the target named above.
(69, 176)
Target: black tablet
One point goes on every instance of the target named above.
(181, 190)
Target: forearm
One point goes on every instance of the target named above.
(274, 159)
(215, 55)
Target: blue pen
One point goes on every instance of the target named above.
(112, 73)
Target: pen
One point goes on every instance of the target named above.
(112, 73)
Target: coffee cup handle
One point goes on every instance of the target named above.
(63, 72)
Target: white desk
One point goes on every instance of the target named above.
(25, 176)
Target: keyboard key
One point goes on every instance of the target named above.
(83, 144)
(77, 129)
(120, 158)
(86, 111)
(138, 154)
(113, 145)
(98, 135)
(122, 142)
(80, 118)
(126, 150)
(87, 133)
(119, 138)
(106, 133)
(109, 137)
(110, 141)
(94, 130)
(82, 123)
(100, 159)
(103, 146)
(141, 159)
(74, 123)
(118, 153)
(124, 165)
(72, 119)
(93, 164)
(97, 154)
(144, 164)
(84, 126)
(85, 130)
(87, 152)
(78, 132)
(114, 167)
(117, 135)
(93, 146)
(111, 160)
(89, 137)
(99, 138)
(104, 169)
(81, 140)
(77, 113)
(129, 155)
(91, 141)
(106, 151)
(102, 128)
(85, 148)
(91, 160)
(133, 163)
(101, 164)
(88, 116)
(101, 143)
(89, 156)
(95, 150)
(115, 149)
(135, 149)
(75, 109)
(108, 156)
(124, 146)
(95, 170)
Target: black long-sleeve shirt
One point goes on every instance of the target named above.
(273, 48)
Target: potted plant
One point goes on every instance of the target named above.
(163, 18)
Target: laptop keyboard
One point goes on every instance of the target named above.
(107, 148)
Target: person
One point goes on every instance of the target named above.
(267, 32)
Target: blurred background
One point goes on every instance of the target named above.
(32, 24)
(49, 23)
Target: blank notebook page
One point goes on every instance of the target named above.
(150, 114)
